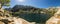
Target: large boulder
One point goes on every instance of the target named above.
(54, 19)
(14, 20)
(6, 18)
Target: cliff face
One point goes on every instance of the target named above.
(6, 18)
(54, 19)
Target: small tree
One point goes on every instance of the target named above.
(4, 3)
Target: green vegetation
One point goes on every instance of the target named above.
(4, 3)
(32, 14)
(29, 13)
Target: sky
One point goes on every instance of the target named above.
(36, 3)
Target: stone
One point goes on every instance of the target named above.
(6, 18)
(1, 22)
(54, 19)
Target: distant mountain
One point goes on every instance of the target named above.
(22, 7)
(9, 9)
(32, 14)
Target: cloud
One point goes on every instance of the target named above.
(20, 0)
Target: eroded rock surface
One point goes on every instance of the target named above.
(6, 18)
(54, 19)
